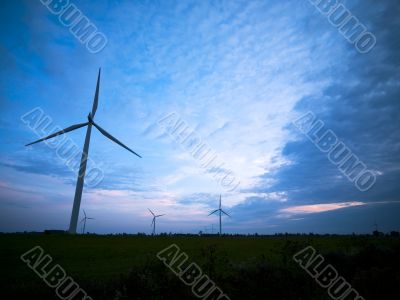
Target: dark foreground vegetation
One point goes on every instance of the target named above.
(126, 267)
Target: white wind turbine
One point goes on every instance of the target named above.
(82, 169)
(84, 221)
(221, 211)
(153, 223)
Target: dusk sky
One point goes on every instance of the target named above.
(238, 74)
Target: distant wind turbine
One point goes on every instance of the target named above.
(221, 211)
(84, 221)
(375, 226)
(82, 169)
(153, 223)
(208, 228)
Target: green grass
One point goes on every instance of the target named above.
(105, 258)
(95, 256)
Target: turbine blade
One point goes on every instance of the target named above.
(213, 212)
(220, 201)
(160, 215)
(90, 218)
(96, 95)
(151, 211)
(84, 213)
(68, 129)
(152, 222)
(82, 220)
(106, 134)
(225, 213)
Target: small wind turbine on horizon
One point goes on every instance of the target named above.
(208, 228)
(212, 228)
(85, 153)
(375, 226)
(84, 221)
(153, 223)
(221, 211)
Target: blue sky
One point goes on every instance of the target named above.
(238, 73)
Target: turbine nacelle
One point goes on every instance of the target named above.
(90, 119)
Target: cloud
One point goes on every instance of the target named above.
(316, 208)
(359, 105)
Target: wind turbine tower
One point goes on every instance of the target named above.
(220, 211)
(85, 153)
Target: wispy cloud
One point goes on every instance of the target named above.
(317, 208)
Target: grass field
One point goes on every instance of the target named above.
(115, 267)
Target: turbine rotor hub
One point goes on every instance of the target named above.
(90, 119)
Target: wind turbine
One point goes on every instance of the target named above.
(84, 221)
(153, 223)
(221, 211)
(82, 169)
(376, 226)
